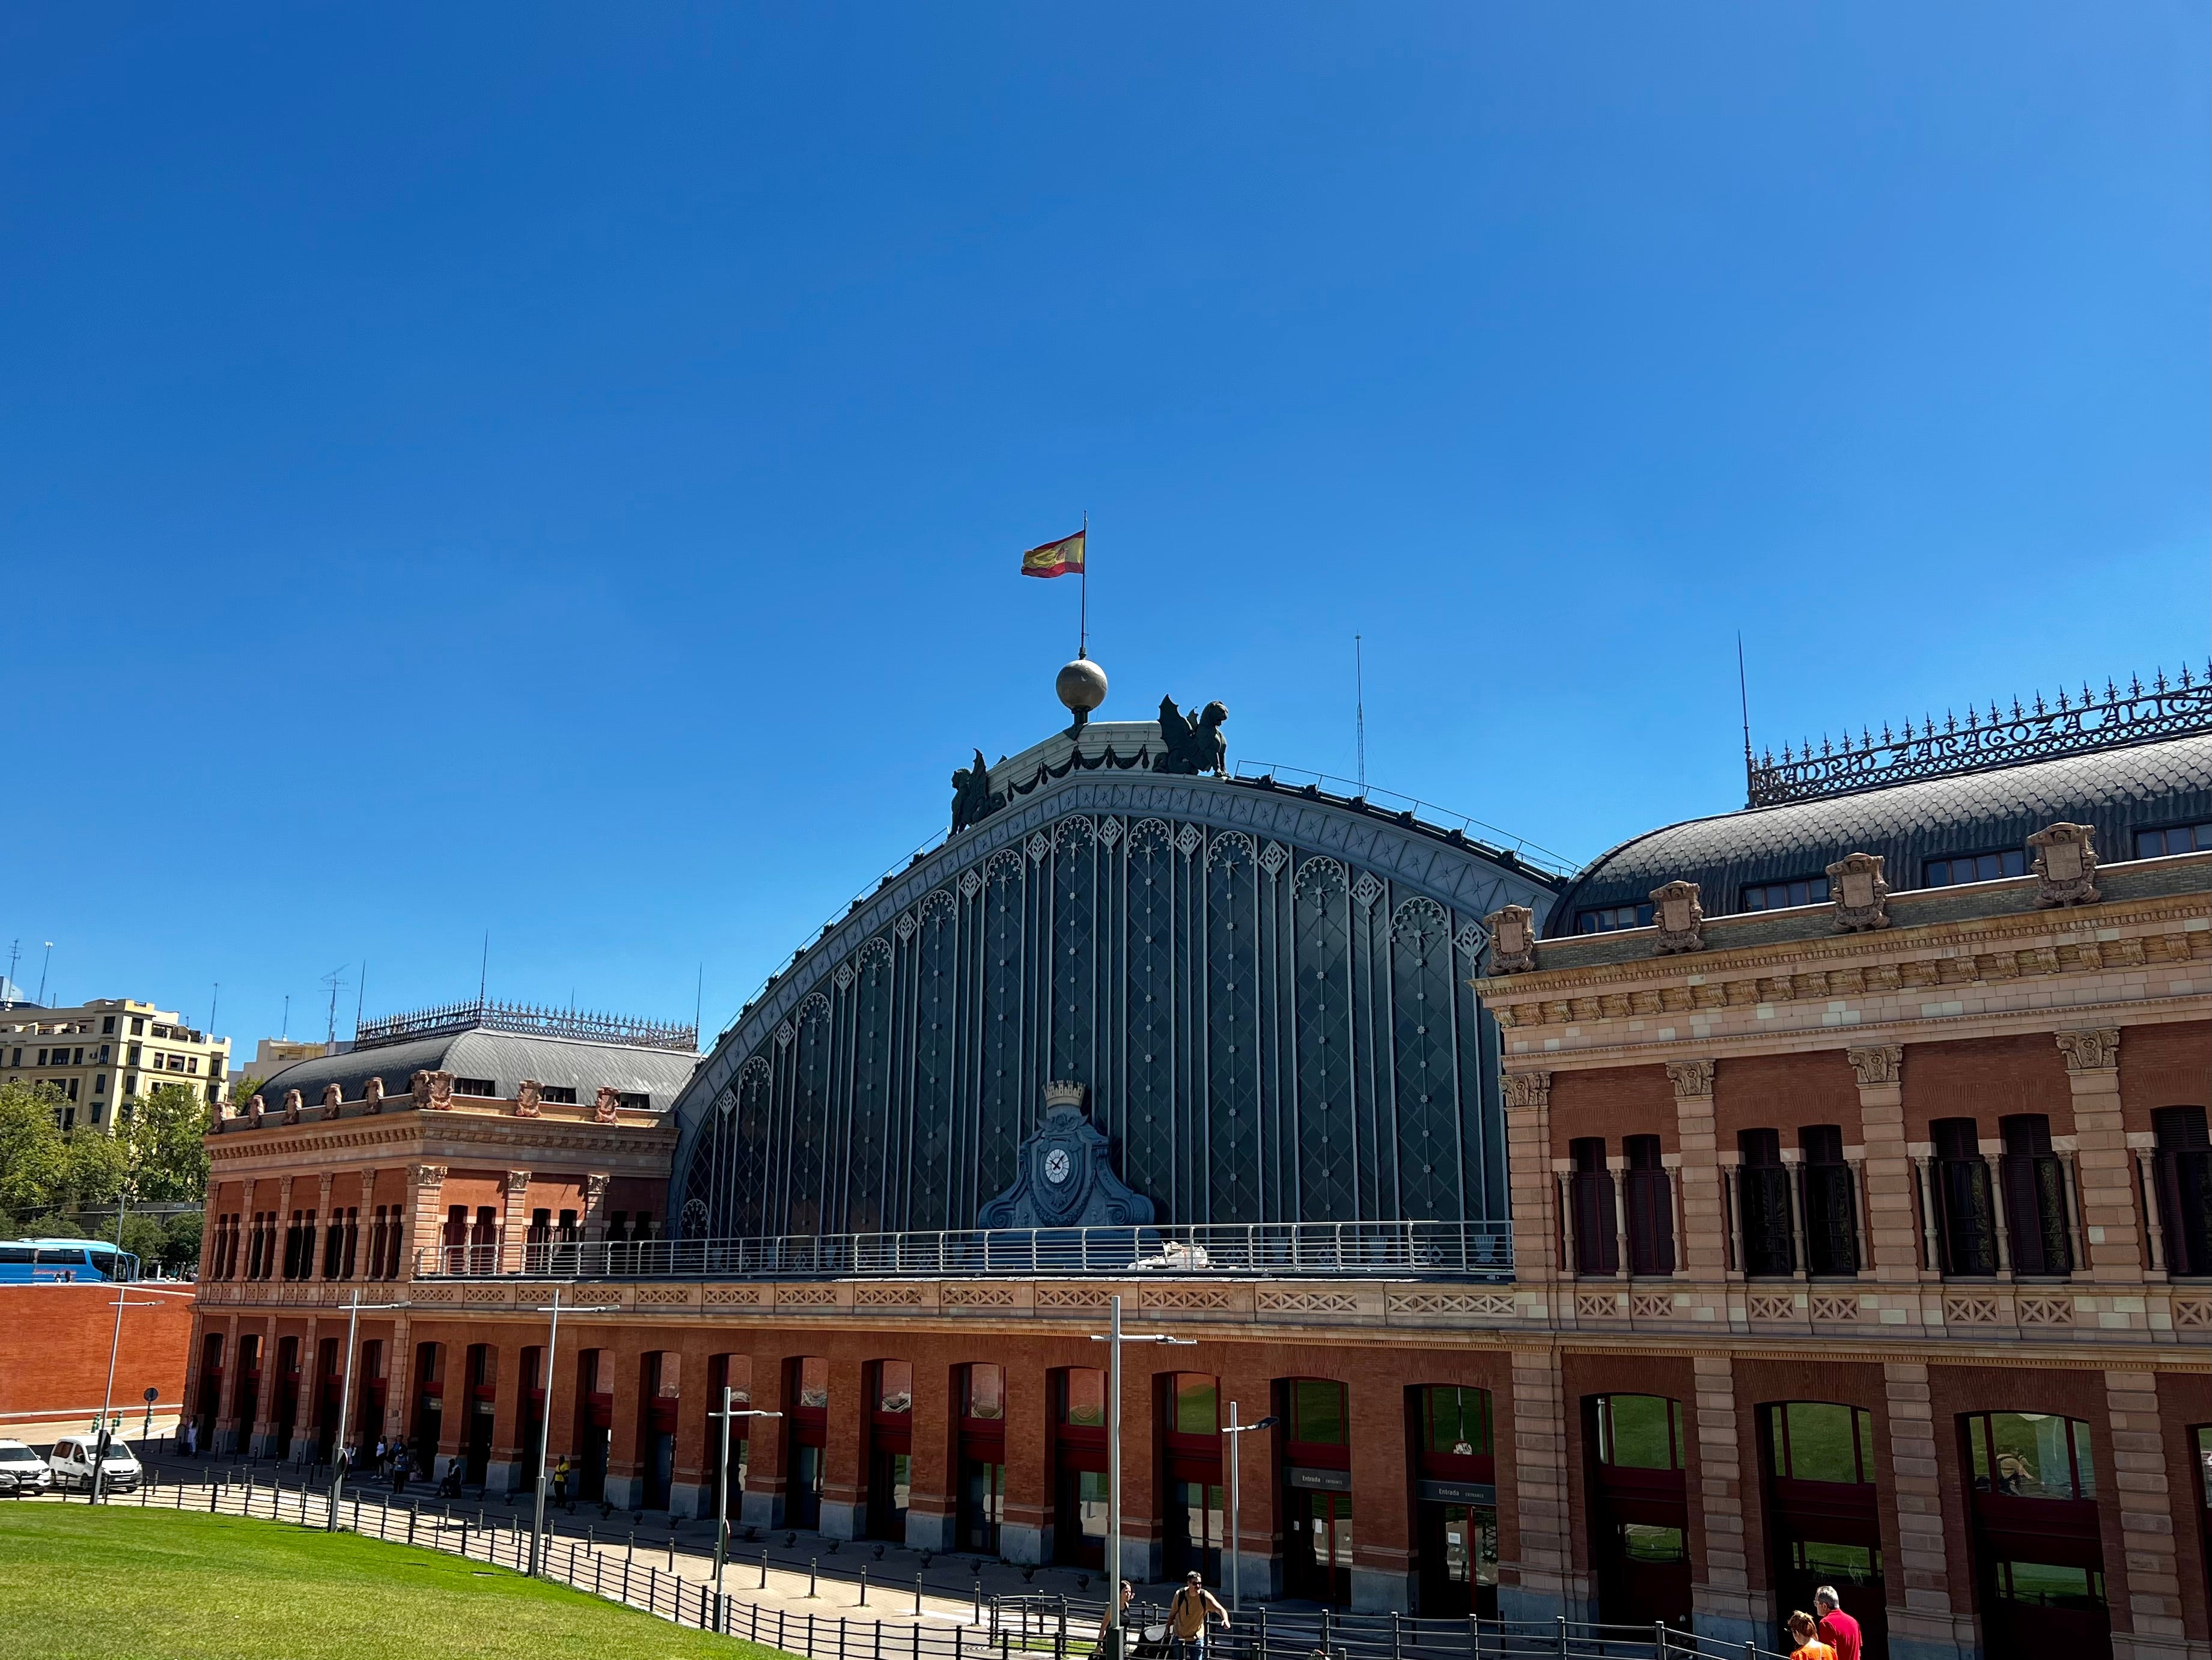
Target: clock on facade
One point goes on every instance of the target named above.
(1056, 1166)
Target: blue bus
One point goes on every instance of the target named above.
(60, 1261)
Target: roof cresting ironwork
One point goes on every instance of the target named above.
(2041, 730)
(528, 1020)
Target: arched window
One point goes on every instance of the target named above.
(1640, 1523)
(2038, 1546)
(1823, 1511)
(981, 1491)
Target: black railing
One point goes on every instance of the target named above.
(529, 1021)
(2122, 715)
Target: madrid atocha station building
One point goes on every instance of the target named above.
(1815, 1193)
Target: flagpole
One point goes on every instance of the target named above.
(1083, 606)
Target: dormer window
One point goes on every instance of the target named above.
(1780, 895)
(1956, 868)
(2174, 838)
(482, 1086)
(1610, 918)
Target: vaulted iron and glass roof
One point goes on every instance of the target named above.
(1263, 989)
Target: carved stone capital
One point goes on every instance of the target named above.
(1691, 1078)
(369, 1186)
(517, 1181)
(1512, 940)
(1679, 917)
(323, 1187)
(595, 1189)
(1528, 1090)
(428, 1176)
(1858, 893)
(603, 1105)
(2096, 1049)
(529, 1098)
(2066, 859)
(1877, 1063)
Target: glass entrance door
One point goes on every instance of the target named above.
(1196, 1525)
(1459, 1560)
(1080, 1532)
(1321, 1546)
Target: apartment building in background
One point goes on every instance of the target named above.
(100, 1053)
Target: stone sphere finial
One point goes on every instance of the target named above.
(1082, 686)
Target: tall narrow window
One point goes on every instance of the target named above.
(1597, 1246)
(1763, 1200)
(1832, 1235)
(2184, 1183)
(2035, 1197)
(1650, 1208)
(1967, 1219)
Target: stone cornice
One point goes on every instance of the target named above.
(1979, 951)
(507, 1143)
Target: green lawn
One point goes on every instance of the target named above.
(115, 1583)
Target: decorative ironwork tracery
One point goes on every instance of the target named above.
(1270, 1033)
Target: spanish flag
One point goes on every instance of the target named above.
(1061, 558)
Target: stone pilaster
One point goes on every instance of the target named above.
(419, 1222)
(1893, 1213)
(263, 1443)
(1544, 1583)
(1723, 1607)
(844, 1474)
(1535, 1193)
(515, 1221)
(1703, 1249)
(2105, 1166)
(318, 1241)
(284, 1229)
(2152, 1611)
(1923, 1622)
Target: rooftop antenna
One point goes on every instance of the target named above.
(214, 998)
(484, 970)
(43, 967)
(361, 992)
(287, 1032)
(14, 956)
(698, 1002)
(1743, 695)
(1359, 708)
(334, 980)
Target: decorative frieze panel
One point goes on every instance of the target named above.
(1972, 1309)
(1294, 1303)
(2045, 1310)
(977, 1297)
(1772, 1305)
(733, 1297)
(806, 1296)
(1831, 1309)
(1453, 1305)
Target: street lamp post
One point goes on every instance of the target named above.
(1109, 1646)
(730, 1409)
(94, 1490)
(546, 1421)
(1235, 1498)
(354, 1310)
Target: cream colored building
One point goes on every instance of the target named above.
(101, 1052)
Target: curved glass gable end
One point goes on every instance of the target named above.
(1265, 994)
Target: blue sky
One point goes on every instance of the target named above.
(559, 470)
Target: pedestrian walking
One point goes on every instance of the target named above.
(1191, 1614)
(561, 1483)
(399, 1463)
(1836, 1628)
(382, 1454)
(1128, 1596)
(1804, 1632)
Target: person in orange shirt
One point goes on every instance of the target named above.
(1804, 1632)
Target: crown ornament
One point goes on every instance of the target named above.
(1063, 1092)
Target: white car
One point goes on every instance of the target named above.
(71, 1463)
(30, 1471)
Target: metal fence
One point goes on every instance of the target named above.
(995, 1628)
(1478, 1251)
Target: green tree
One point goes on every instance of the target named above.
(168, 1157)
(34, 1158)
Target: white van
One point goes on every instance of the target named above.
(71, 1463)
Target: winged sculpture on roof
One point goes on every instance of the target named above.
(1195, 744)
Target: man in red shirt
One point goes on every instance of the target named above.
(1837, 1629)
